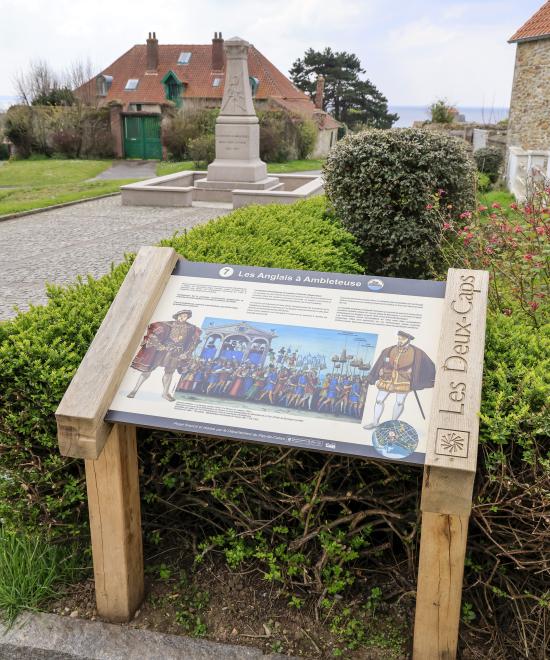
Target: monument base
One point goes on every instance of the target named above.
(269, 183)
(243, 171)
(222, 191)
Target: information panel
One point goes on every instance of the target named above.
(327, 361)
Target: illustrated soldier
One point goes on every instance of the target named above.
(399, 370)
(166, 344)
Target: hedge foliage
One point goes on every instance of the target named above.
(304, 519)
(179, 131)
(41, 349)
(283, 135)
(489, 160)
(381, 185)
(75, 131)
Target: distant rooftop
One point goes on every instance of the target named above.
(537, 27)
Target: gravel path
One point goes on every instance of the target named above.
(56, 246)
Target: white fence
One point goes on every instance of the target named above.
(523, 165)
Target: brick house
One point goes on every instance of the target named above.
(144, 84)
(529, 120)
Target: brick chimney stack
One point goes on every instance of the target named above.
(217, 52)
(319, 92)
(152, 53)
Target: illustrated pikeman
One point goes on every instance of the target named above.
(399, 370)
(166, 344)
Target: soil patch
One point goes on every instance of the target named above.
(242, 608)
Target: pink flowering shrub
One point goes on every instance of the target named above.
(513, 244)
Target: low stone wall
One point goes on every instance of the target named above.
(488, 135)
(179, 190)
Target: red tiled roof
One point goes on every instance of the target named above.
(307, 108)
(537, 27)
(197, 75)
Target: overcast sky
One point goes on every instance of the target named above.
(414, 51)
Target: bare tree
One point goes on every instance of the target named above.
(40, 79)
(79, 76)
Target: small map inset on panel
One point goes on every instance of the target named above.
(450, 442)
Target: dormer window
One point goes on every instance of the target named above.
(132, 84)
(184, 57)
(254, 84)
(103, 83)
(173, 88)
(216, 82)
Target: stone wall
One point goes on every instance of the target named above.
(529, 123)
(326, 139)
(495, 135)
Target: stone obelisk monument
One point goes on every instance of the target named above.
(237, 163)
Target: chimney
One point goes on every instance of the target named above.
(319, 92)
(152, 53)
(217, 52)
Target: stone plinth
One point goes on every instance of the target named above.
(264, 184)
(237, 128)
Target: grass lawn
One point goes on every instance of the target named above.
(49, 171)
(31, 184)
(272, 168)
(28, 198)
(295, 166)
(502, 197)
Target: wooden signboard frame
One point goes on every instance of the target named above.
(110, 450)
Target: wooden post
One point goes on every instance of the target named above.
(109, 450)
(81, 429)
(115, 523)
(451, 458)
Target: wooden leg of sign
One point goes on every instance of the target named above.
(115, 522)
(441, 565)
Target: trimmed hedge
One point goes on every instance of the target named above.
(41, 349)
(302, 518)
(383, 184)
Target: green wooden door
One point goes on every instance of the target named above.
(142, 137)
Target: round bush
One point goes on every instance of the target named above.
(489, 160)
(202, 150)
(382, 185)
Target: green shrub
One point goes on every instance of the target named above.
(185, 126)
(483, 182)
(382, 185)
(41, 349)
(489, 160)
(278, 141)
(71, 131)
(507, 566)
(302, 519)
(441, 112)
(202, 150)
(18, 129)
(307, 138)
(4, 151)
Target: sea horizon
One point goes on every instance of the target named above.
(479, 114)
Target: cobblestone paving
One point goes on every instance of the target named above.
(56, 246)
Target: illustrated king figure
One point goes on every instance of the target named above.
(166, 344)
(399, 370)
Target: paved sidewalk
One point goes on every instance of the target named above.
(56, 246)
(50, 637)
(129, 169)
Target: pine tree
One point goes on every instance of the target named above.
(349, 99)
